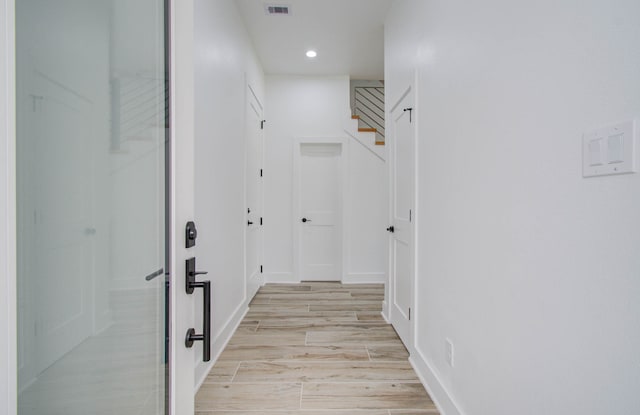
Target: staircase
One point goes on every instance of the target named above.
(368, 109)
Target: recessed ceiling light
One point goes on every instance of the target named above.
(311, 54)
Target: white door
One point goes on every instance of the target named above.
(402, 171)
(254, 133)
(319, 222)
(93, 228)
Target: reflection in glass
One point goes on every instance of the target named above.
(91, 206)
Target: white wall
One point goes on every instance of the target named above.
(368, 215)
(531, 270)
(301, 107)
(224, 58)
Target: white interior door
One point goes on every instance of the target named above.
(92, 175)
(402, 171)
(254, 132)
(320, 214)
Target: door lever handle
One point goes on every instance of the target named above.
(249, 223)
(305, 220)
(391, 229)
(191, 273)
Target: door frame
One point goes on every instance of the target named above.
(181, 42)
(8, 304)
(296, 210)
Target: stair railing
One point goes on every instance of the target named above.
(369, 107)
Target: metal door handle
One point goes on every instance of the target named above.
(154, 274)
(249, 223)
(305, 220)
(191, 285)
(391, 229)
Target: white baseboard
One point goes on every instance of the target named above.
(280, 277)
(365, 278)
(385, 312)
(219, 343)
(439, 394)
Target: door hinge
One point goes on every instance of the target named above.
(409, 215)
(260, 221)
(260, 269)
(409, 313)
(410, 110)
(260, 172)
(262, 124)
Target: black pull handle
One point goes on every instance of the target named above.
(249, 223)
(305, 220)
(205, 337)
(390, 229)
(191, 285)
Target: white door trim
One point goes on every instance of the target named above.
(296, 211)
(182, 378)
(8, 310)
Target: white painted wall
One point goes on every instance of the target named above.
(531, 270)
(367, 215)
(303, 107)
(224, 63)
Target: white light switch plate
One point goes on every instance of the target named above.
(609, 150)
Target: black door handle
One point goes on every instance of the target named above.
(305, 220)
(191, 285)
(249, 223)
(390, 229)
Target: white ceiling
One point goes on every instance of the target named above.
(347, 34)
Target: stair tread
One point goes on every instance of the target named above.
(367, 130)
(379, 143)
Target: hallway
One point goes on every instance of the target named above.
(314, 348)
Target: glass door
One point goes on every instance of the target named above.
(91, 153)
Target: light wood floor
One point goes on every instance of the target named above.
(314, 348)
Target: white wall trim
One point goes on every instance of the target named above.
(8, 310)
(219, 343)
(385, 310)
(434, 386)
(344, 166)
(365, 278)
(358, 137)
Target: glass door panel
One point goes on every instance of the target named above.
(91, 153)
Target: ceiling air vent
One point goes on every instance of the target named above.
(277, 9)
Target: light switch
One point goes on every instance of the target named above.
(615, 146)
(609, 150)
(595, 152)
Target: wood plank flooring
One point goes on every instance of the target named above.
(316, 348)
